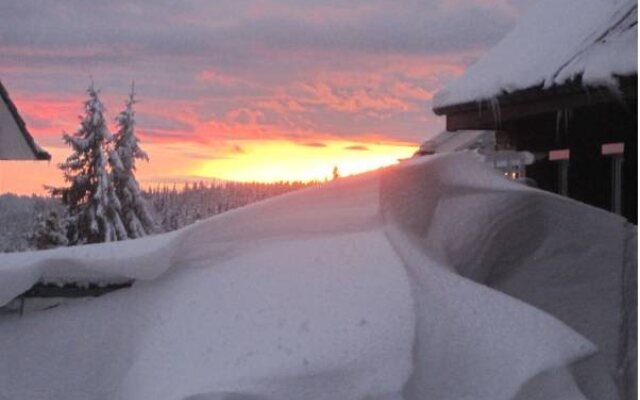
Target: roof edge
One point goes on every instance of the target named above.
(627, 88)
(38, 152)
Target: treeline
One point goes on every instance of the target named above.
(175, 208)
(37, 222)
(18, 216)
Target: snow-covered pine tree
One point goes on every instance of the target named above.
(49, 231)
(135, 213)
(93, 206)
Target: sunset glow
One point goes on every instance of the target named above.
(261, 161)
(250, 91)
(269, 161)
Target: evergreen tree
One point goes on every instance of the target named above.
(49, 231)
(93, 206)
(135, 214)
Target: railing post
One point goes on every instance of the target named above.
(562, 157)
(615, 151)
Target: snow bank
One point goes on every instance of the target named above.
(296, 215)
(554, 42)
(145, 258)
(553, 253)
(433, 279)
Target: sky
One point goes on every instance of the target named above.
(243, 90)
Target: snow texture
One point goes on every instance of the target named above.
(555, 41)
(435, 279)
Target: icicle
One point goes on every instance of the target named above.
(495, 110)
(562, 120)
(568, 113)
(558, 121)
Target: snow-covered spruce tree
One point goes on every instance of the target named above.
(135, 213)
(93, 207)
(49, 231)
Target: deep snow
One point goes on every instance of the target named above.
(433, 279)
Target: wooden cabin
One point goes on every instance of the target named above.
(16, 143)
(566, 92)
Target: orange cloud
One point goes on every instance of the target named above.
(357, 147)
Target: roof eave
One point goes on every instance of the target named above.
(38, 153)
(627, 87)
(535, 100)
(43, 156)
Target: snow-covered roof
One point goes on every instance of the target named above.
(16, 143)
(555, 42)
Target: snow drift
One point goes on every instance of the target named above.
(433, 279)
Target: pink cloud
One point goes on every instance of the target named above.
(212, 76)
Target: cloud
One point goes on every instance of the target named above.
(314, 144)
(417, 27)
(245, 116)
(237, 149)
(264, 69)
(211, 76)
(204, 156)
(357, 147)
(156, 122)
(157, 136)
(70, 30)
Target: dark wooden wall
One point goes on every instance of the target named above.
(583, 130)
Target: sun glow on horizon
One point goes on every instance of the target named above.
(278, 160)
(242, 161)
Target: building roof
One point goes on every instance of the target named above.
(556, 42)
(16, 143)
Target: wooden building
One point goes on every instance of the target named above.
(15, 141)
(569, 97)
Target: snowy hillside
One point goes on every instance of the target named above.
(435, 279)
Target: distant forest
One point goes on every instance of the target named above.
(172, 208)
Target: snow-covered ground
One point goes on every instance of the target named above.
(435, 279)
